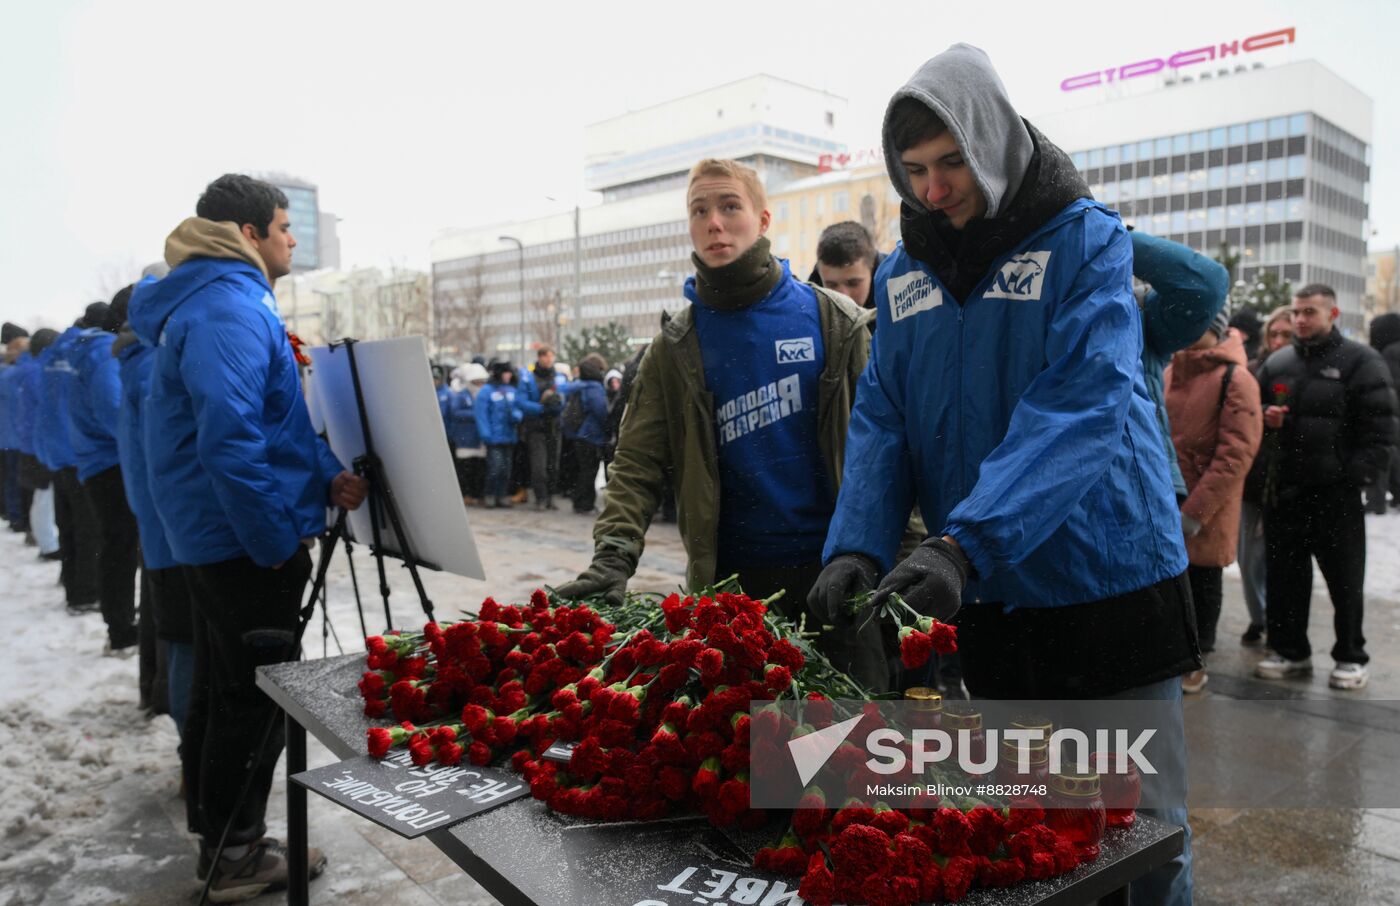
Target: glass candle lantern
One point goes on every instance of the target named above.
(925, 708)
(1075, 811)
(1121, 787)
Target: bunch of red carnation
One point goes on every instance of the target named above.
(662, 726)
(894, 857)
(476, 681)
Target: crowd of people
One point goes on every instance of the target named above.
(1026, 420)
(544, 432)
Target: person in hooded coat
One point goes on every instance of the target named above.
(1213, 404)
(241, 484)
(1005, 394)
(1385, 339)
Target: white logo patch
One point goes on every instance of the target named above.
(912, 293)
(1334, 374)
(1020, 278)
(801, 349)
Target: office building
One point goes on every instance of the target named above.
(1274, 162)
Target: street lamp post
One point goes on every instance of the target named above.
(520, 250)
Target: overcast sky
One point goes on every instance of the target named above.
(414, 117)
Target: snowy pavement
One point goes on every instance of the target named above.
(91, 813)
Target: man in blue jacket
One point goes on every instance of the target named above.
(14, 343)
(79, 538)
(93, 402)
(1005, 394)
(584, 418)
(241, 484)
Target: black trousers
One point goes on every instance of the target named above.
(119, 555)
(79, 538)
(1206, 592)
(542, 441)
(471, 476)
(586, 458)
(1329, 524)
(17, 497)
(245, 616)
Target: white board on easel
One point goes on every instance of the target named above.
(409, 438)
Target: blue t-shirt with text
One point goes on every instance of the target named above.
(763, 366)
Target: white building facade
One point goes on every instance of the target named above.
(622, 260)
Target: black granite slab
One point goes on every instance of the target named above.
(525, 855)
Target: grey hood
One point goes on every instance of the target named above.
(962, 88)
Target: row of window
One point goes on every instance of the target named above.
(1200, 180)
(1256, 213)
(1207, 139)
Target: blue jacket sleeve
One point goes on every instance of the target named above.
(527, 396)
(595, 401)
(1066, 428)
(877, 485)
(1188, 289)
(483, 416)
(225, 366)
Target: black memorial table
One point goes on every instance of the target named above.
(525, 855)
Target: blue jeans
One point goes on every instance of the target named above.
(498, 463)
(179, 672)
(1253, 557)
(1171, 884)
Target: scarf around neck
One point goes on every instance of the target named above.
(740, 283)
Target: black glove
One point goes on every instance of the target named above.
(843, 578)
(930, 580)
(606, 576)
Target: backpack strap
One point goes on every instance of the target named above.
(1225, 387)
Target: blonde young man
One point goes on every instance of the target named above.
(744, 398)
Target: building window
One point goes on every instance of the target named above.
(1278, 127)
(1096, 158)
(830, 118)
(1128, 153)
(821, 205)
(841, 202)
(782, 210)
(1238, 135)
(1298, 124)
(1258, 130)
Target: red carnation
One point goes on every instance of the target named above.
(711, 662)
(778, 677)
(944, 637)
(957, 877)
(915, 648)
(380, 741)
(818, 887)
(861, 850)
(449, 753)
(479, 754)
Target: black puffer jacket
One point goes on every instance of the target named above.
(1341, 420)
(1385, 339)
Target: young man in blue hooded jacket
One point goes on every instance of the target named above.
(241, 484)
(1005, 394)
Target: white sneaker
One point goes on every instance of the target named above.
(1348, 676)
(1194, 681)
(1276, 666)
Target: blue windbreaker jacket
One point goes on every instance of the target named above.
(93, 402)
(527, 393)
(52, 443)
(135, 363)
(230, 453)
(595, 411)
(497, 414)
(9, 433)
(462, 432)
(28, 372)
(1020, 420)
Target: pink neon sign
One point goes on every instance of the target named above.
(1180, 58)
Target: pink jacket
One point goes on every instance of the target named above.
(1215, 444)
